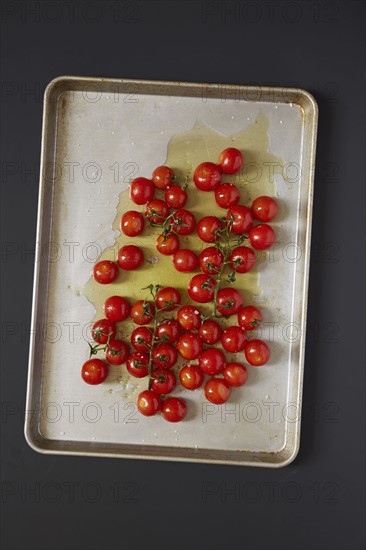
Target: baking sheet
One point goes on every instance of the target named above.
(98, 134)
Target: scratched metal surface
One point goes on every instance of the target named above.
(95, 133)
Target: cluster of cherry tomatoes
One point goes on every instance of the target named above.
(190, 334)
(176, 221)
(156, 350)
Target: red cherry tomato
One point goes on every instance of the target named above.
(235, 374)
(207, 229)
(210, 332)
(136, 364)
(183, 222)
(163, 382)
(167, 244)
(185, 260)
(212, 361)
(116, 308)
(141, 338)
(189, 346)
(262, 236)
(117, 352)
(249, 317)
(257, 353)
(175, 197)
(168, 331)
(141, 190)
(164, 356)
(242, 259)
(191, 377)
(142, 312)
(265, 208)
(162, 177)
(166, 295)
(233, 339)
(240, 218)
(148, 403)
(130, 257)
(94, 371)
(210, 260)
(227, 195)
(207, 176)
(189, 318)
(102, 329)
(105, 272)
(156, 211)
(132, 223)
(231, 160)
(201, 288)
(229, 301)
(217, 391)
(174, 409)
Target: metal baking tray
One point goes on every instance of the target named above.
(98, 133)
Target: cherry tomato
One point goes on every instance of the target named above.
(233, 339)
(142, 312)
(183, 222)
(94, 371)
(210, 332)
(191, 377)
(257, 353)
(141, 190)
(242, 259)
(227, 195)
(156, 211)
(235, 374)
(262, 236)
(249, 317)
(105, 272)
(102, 329)
(201, 288)
(168, 331)
(175, 197)
(229, 301)
(141, 338)
(116, 308)
(167, 295)
(189, 346)
(130, 257)
(185, 260)
(217, 391)
(174, 409)
(265, 208)
(163, 382)
(210, 260)
(189, 318)
(167, 244)
(117, 352)
(208, 228)
(212, 361)
(162, 177)
(240, 218)
(231, 160)
(164, 356)
(137, 363)
(132, 223)
(207, 176)
(148, 403)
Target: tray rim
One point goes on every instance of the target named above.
(34, 438)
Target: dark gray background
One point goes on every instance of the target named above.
(317, 502)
